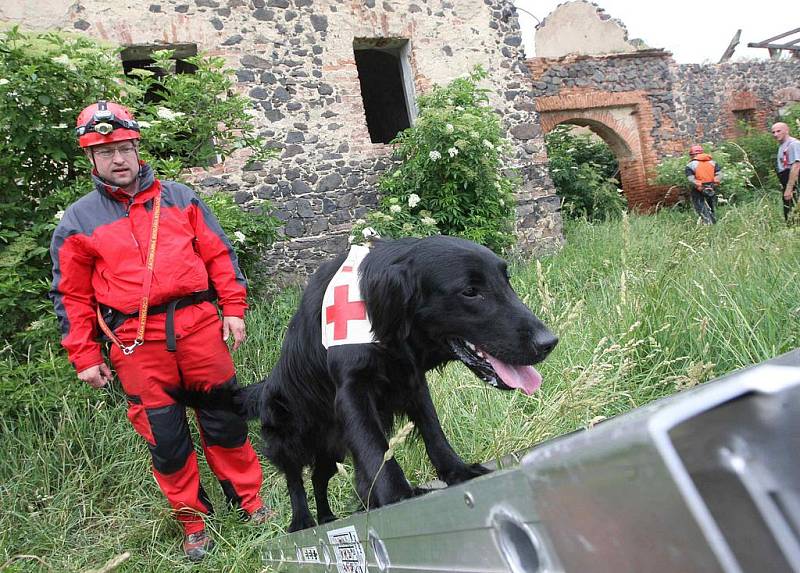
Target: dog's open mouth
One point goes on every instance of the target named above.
(495, 371)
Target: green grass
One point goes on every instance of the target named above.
(644, 307)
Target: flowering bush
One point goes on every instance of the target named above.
(450, 178)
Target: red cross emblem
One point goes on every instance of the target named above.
(343, 311)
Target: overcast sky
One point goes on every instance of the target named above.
(694, 31)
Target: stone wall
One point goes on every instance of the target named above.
(295, 59)
(710, 99)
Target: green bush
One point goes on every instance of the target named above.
(584, 171)
(45, 80)
(757, 148)
(450, 178)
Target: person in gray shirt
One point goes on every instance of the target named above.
(788, 166)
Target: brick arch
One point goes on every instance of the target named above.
(623, 120)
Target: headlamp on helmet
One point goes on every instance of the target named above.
(108, 122)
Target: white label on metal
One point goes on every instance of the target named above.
(309, 554)
(349, 553)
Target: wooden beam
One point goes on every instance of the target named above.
(731, 47)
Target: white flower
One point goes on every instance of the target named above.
(395, 208)
(168, 114)
(64, 60)
(474, 134)
(428, 221)
(240, 237)
(369, 232)
(449, 128)
(452, 151)
(434, 155)
(61, 126)
(488, 144)
(59, 215)
(145, 124)
(360, 221)
(4, 81)
(502, 203)
(413, 200)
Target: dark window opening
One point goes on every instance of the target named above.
(384, 87)
(138, 58)
(745, 116)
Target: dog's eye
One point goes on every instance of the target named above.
(470, 292)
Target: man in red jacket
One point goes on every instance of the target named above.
(142, 260)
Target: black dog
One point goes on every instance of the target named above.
(430, 301)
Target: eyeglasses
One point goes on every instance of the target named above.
(108, 153)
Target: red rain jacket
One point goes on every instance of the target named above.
(99, 252)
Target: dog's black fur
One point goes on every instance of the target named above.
(427, 299)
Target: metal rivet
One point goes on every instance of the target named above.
(469, 500)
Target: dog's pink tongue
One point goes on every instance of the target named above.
(526, 378)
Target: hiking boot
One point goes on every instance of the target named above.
(261, 516)
(197, 545)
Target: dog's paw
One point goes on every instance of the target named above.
(326, 518)
(464, 473)
(301, 522)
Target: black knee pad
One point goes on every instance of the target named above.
(173, 442)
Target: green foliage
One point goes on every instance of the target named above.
(737, 174)
(451, 178)
(791, 117)
(193, 122)
(45, 80)
(584, 172)
(247, 231)
(758, 149)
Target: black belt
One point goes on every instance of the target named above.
(114, 318)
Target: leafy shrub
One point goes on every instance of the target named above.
(450, 178)
(757, 148)
(190, 124)
(45, 80)
(247, 231)
(584, 172)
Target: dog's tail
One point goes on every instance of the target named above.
(243, 400)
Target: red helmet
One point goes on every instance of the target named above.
(695, 149)
(105, 122)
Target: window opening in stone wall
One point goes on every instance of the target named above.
(744, 118)
(139, 58)
(387, 89)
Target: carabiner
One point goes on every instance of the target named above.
(128, 350)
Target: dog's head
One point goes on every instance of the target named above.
(454, 296)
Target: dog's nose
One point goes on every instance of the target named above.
(545, 342)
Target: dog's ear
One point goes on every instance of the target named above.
(390, 294)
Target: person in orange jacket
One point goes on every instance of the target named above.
(704, 175)
(142, 260)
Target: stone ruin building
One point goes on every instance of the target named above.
(316, 70)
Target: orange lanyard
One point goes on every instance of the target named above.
(148, 280)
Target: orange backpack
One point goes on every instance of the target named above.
(704, 172)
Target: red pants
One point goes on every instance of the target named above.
(201, 361)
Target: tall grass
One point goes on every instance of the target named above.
(644, 307)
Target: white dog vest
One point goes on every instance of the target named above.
(344, 312)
